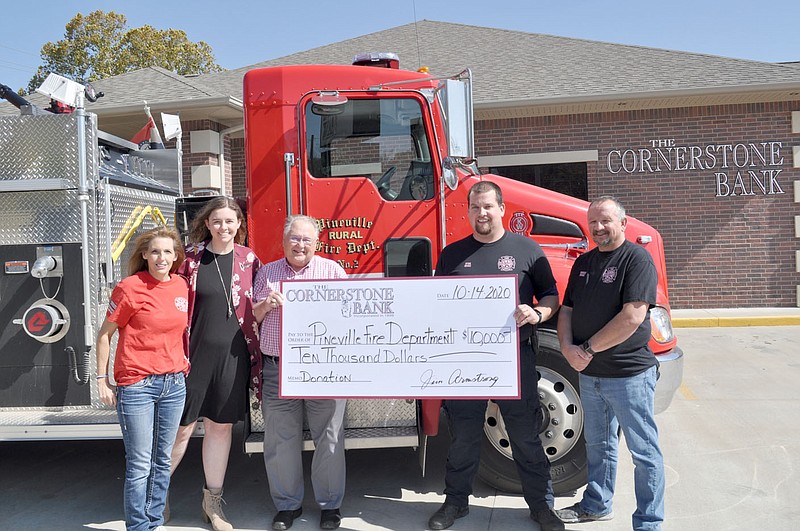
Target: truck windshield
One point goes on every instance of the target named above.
(381, 139)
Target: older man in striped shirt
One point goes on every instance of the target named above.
(283, 418)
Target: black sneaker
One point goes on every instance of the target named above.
(547, 520)
(574, 514)
(330, 519)
(447, 515)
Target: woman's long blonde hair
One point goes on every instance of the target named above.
(137, 262)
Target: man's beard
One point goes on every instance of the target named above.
(602, 243)
(483, 228)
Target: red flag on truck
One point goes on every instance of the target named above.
(148, 136)
(144, 133)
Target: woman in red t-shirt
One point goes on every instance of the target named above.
(150, 310)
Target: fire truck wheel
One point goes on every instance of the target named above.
(562, 427)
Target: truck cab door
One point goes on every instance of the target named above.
(368, 175)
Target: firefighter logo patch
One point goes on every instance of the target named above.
(519, 223)
(506, 263)
(182, 304)
(609, 275)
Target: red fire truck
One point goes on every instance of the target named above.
(383, 159)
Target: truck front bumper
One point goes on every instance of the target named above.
(671, 375)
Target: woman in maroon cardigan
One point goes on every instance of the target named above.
(223, 345)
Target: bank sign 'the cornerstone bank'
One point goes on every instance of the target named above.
(743, 169)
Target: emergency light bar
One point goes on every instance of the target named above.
(379, 59)
(61, 89)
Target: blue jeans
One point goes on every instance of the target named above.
(523, 421)
(627, 403)
(149, 412)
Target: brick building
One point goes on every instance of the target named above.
(728, 225)
(706, 149)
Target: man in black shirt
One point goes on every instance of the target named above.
(604, 330)
(490, 250)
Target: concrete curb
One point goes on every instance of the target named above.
(704, 322)
(736, 317)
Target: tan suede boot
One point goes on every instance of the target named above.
(212, 510)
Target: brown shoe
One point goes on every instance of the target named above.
(212, 510)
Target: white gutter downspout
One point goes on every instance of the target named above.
(222, 135)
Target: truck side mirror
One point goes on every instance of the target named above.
(449, 173)
(457, 100)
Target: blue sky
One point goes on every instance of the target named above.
(246, 32)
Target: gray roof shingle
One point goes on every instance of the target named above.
(517, 66)
(152, 84)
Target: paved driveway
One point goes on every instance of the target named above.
(730, 441)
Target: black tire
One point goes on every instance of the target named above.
(562, 427)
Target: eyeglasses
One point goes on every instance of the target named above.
(299, 239)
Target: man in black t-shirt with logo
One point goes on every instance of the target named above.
(604, 330)
(490, 250)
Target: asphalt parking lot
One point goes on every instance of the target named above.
(730, 441)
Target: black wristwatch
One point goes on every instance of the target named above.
(587, 347)
(541, 317)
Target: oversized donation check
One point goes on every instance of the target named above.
(434, 337)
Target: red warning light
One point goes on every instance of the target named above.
(40, 321)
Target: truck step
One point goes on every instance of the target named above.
(396, 437)
(59, 424)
